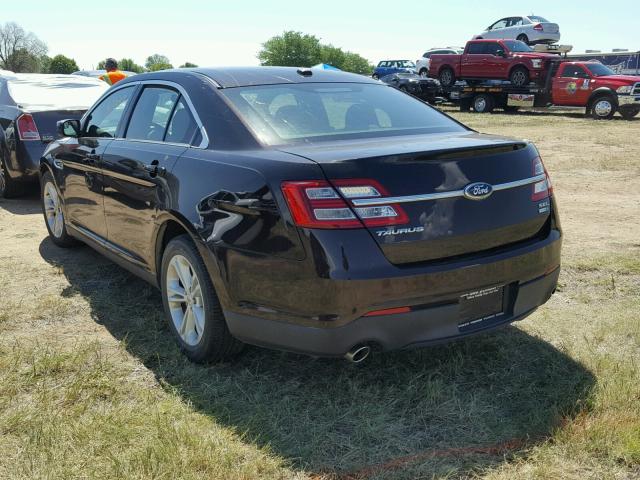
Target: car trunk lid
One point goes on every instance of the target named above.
(47, 120)
(426, 176)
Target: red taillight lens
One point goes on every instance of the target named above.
(538, 27)
(319, 204)
(543, 188)
(27, 129)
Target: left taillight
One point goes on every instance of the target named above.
(538, 27)
(320, 204)
(27, 128)
(543, 188)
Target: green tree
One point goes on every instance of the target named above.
(291, 49)
(188, 65)
(20, 51)
(44, 62)
(129, 65)
(157, 62)
(296, 49)
(62, 64)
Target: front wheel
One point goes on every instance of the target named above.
(447, 77)
(629, 113)
(53, 213)
(191, 305)
(603, 108)
(519, 76)
(375, 76)
(424, 73)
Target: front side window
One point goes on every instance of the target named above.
(517, 46)
(103, 120)
(309, 113)
(492, 48)
(499, 24)
(574, 71)
(152, 114)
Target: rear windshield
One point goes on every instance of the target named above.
(599, 70)
(517, 46)
(54, 92)
(311, 112)
(538, 19)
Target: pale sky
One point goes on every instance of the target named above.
(231, 32)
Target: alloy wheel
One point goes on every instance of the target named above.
(519, 78)
(53, 210)
(186, 301)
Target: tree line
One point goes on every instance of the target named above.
(24, 52)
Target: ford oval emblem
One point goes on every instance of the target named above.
(478, 191)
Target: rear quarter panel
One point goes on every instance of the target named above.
(439, 61)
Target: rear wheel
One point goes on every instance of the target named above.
(53, 214)
(519, 76)
(9, 188)
(603, 108)
(523, 38)
(447, 77)
(629, 113)
(483, 103)
(191, 305)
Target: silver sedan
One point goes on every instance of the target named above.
(530, 29)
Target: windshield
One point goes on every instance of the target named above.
(517, 46)
(406, 64)
(599, 70)
(538, 19)
(55, 92)
(312, 112)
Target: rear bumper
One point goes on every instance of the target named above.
(417, 328)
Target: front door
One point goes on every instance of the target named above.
(137, 170)
(82, 164)
(572, 85)
(496, 64)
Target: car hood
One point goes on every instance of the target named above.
(623, 79)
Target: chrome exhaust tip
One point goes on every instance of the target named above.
(358, 354)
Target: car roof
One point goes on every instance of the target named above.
(229, 77)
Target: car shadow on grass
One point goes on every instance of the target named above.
(444, 409)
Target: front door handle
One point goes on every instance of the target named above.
(92, 157)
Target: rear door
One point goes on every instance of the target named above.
(82, 163)
(474, 63)
(137, 178)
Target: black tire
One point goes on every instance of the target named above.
(9, 188)
(523, 38)
(629, 113)
(424, 73)
(447, 77)
(603, 107)
(216, 342)
(60, 236)
(483, 103)
(519, 77)
(375, 76)
(403, 88)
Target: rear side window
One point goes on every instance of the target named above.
(103, 120)
(152, 114)
(182, 127)
(476, 48)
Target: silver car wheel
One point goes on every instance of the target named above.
(53, 210)
(480, 105)
(186, 303)
(519, 78)
(603, 108)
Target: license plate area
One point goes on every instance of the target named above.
(481, 308)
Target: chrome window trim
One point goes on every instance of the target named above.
(442, 195)
(183, 93)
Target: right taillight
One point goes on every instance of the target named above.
(320, 204)
(27, 129)
(543, 188)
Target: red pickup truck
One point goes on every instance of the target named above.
(511, 60)
(591, 85)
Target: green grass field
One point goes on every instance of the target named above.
(93, 386)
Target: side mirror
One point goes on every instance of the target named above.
(500, 53)
(68, 128)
